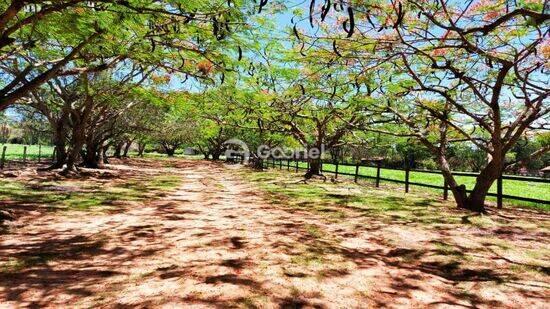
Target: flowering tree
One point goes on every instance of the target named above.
(450, 71)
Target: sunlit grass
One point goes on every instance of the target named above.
(536, 190)
(84, 195)
(16, 151)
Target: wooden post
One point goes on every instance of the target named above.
(281, 164)
(273, 162)
(24, 154)
(308, 165)
(297, 164)
(3, 161)
(287, 164)
(445, 189)
(321, 167)
(39, 152)
(336, 170)
(378, 164)
(499, 192)
(356, 172)
(407, 179)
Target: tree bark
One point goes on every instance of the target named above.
(118, 150)
(126, 149)
(216, 155)
(314, 167)
(60, 142)
(141, 149)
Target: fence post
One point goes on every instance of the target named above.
(407, 179)
(378, 164)
(24, 154)
(336, 170)
(297, 165)
(280, 164)
(321, 166)
(307, 165)
(499, 192)
(3, 161)
(287, 164)
(445, 189)
(356, 171)
(273, 162)
(39, 152)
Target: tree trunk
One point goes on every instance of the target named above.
(170, 151)
(104, 154)
(486, 178)
(127, 149)
(60, 143)
(77, 142)
(94, 156)
(141, 149)
(314, 167)
(475, 201)
(118, 150)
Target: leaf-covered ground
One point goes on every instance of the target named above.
(202, 234)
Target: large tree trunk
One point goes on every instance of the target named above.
(314, 167)
(475, 201)
(94, 156)
(77, 142)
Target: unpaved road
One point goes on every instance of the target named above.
(216, 242)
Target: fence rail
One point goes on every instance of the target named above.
(297, 165)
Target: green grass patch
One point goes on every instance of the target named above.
(518, 188)
(16, 151)
(85, 195)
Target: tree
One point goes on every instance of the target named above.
(453, 72)
(39, 41)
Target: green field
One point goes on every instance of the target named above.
(15, 151)
(526, 189)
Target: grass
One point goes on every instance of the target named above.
(16, 151)
(438, 237)
(526, 189)
(85, 195)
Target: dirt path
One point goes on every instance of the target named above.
(216, 242)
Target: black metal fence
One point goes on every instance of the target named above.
(337, 170)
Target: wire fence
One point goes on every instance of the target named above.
(16, 154)
(533, 186)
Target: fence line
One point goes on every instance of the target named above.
(22, 157)
(406, 181)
